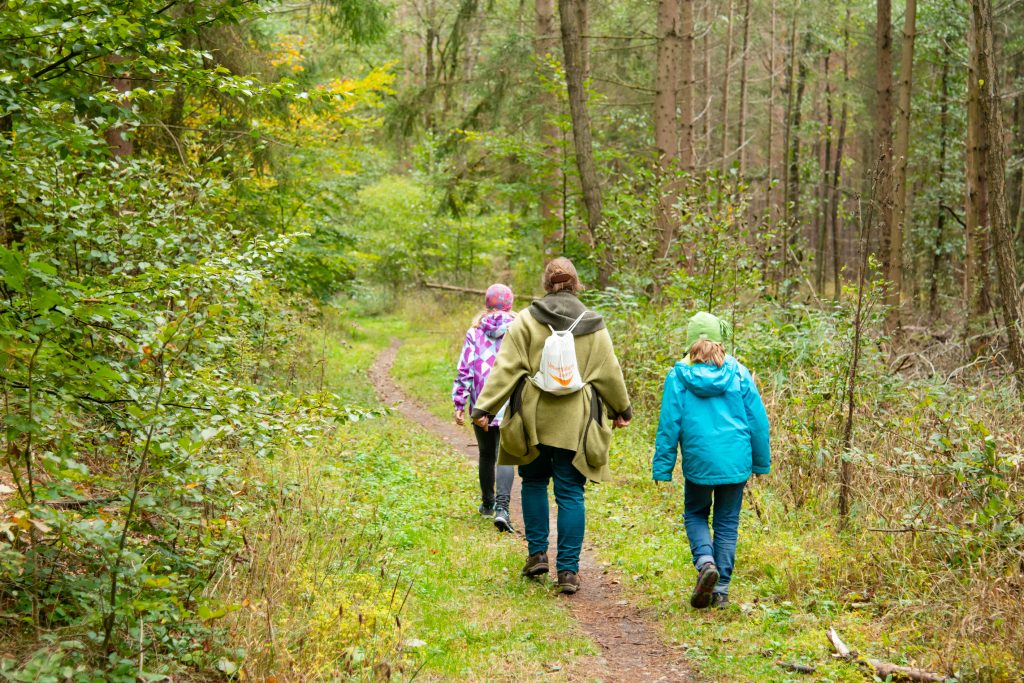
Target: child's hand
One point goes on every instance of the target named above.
(620, 423)
(460, 417)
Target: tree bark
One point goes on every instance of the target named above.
(883, 130)
(826, 184)
(837, 169)
(708, 23)
(992, 134)
(726, 69)
(120, 145)
(665, 120)
(741, 132)
(901, 152)
(685, 89)
(575, 77)
(770, 155)
(940, 215)
(976, 200)
(545, 42)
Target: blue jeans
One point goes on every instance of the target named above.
(698, 502)
(554, 463)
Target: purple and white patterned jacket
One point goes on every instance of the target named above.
(479, 351)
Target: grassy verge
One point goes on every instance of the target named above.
(373, 560)
(795, 575)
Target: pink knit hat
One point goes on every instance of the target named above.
(498, 298)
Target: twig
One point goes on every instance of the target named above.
(880, 668)
(799, 668)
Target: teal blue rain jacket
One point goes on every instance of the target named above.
(716, 416)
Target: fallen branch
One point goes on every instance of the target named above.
(880, 668)
(462, 290)
(799, 668)
(453, 288)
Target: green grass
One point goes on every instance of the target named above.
(378, 509)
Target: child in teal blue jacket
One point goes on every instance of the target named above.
(711, 410)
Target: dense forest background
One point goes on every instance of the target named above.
(195, 195)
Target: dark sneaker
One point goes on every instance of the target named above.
(486, 510)
(706, 580)
(719, 599)
(536, 564)
(501, 520)
(568, 582)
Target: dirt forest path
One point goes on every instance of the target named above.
(630, 647)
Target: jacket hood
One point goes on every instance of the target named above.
(707, 380)
(494, 325)
(560, 310)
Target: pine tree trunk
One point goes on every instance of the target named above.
(726, 69)
(575, 77)
(883, 130)
(708, 97)
(686, 87)
(992, 133)
(976, 200)
(825, 187)
(901, 152)
(741, 132)
(665, 120)
(770, 155)
(940, 211)
(545, 42)
(837, 169)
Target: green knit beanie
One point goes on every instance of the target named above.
(706, 326)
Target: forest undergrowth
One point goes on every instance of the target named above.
(925, 570)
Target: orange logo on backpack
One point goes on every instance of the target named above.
(564, 376)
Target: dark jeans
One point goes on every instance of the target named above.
(554, 463)
(488, 444)
(697, 504)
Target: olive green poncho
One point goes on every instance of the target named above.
(537, 417)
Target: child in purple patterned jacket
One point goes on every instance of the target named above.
(478, 353)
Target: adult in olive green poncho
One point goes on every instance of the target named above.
(565, 438)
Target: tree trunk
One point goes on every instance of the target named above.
(120, 145)
(708, 23)
(822, 233)
(795, 118)
(883, 130)
(572, 48)
(837, 169)
(901, 151)
(726, 69)
(940, 215)
(976, 262)
(741, 132)
(992, 134)
(545, 42)
(685, 88)
(770, 156)
(665, 121)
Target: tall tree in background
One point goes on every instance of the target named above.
(569, 13)
(901, 152)
(976, 199)
(741, 131)
(545, 41)
(726, 69)
(883, 134)
(685, 90)
(992, 136)
(665, 120)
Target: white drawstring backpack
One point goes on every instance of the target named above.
(559, 374)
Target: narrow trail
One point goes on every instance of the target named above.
(630, 647)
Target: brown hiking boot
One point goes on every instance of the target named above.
(568, 582)
(720, 600)
(536, 564)
(706, 580)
